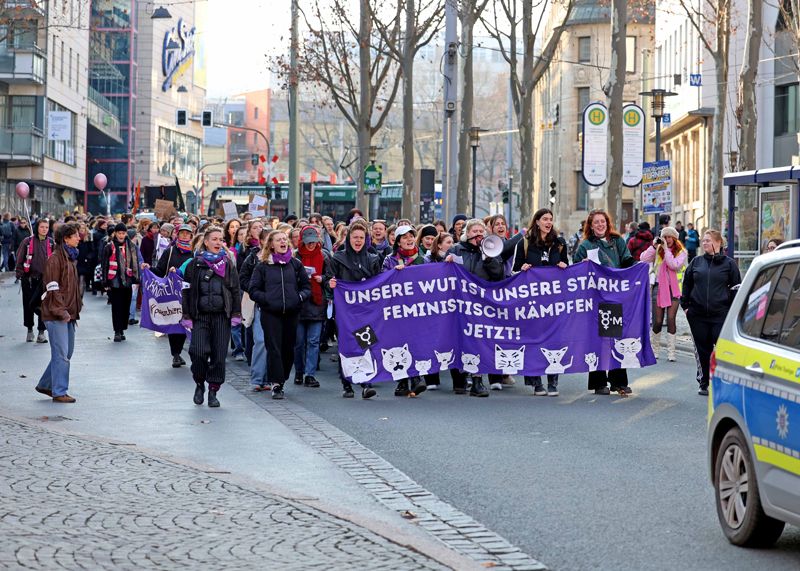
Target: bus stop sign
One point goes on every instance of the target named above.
(373, 179)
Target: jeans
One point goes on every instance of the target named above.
(62, 343)
(237, 339)
(306, 348)
(258, 361)
(6, 256)
(134, 292)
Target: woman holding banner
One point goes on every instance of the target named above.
(174, 258)
(353, 263)
(541, 247)
(406, 253)
(439, 250)
(211, 306)
(606, 247)
(279, 285)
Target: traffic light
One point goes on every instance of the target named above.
(254, 159)
(552, 191)
(181, 117)
(207, 118)
(505, 196)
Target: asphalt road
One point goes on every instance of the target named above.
(578, 481)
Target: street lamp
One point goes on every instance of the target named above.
(657, 112)
(160, 13)
(475, 142)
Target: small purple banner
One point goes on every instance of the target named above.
(548, 320)
(161, 302)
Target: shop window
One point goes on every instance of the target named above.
(787, 114)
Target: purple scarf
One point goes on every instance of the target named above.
(216, 262)
(284, 258)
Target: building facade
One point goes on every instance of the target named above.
(44, 52)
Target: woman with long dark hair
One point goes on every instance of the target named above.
(599, 234)
(541, 247)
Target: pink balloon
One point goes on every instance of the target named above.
(100, 181)
(23, 190)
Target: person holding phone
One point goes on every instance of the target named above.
(709, 286)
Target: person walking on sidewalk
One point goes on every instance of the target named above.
(61, 308)
(32, 256)
(280, 286)
(211, 306)
(708, 291)
(541, 247)
(174, 258)
(258, 355)
(353, 263)
(668, 257)
(313, 312)
(120, 268)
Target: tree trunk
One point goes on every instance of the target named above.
(717, 136)
(614, 90)
(746, 112)
(365, 102)
(463, 188)
(410, 203)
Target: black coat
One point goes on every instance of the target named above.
(279, 288)
(349, 266)
(248, 262)
(197, 270)
(707, 285)
(310, 311)
(533, 255)
(171, 258)
(86, 258)
(19, 235)
(489, 269)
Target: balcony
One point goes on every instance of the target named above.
(20, 146)
(104, 126)
(23, 65)
(13, 8)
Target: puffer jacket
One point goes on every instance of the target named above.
(708, 286)
(280, 288)
(62, 297)
(197, 271)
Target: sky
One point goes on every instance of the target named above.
(240, 33)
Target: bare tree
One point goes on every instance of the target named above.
(422, 23)
(746, 113)
(613, 89)
(504, 28)
(469, 12)
(352, 64)
(712, 22)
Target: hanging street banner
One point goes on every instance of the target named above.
(594, 159)
(656, 188)
(632, 144)
(372, 178)
(161, 302)
(545, 320)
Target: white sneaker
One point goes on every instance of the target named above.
(240, 357)
(539, 392)
(496, 386)
(433, 387)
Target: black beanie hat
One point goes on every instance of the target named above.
(428, 230)
(120, 227)
(458, 217)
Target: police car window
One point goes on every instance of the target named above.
(773, 322)
(755, 309)
(791, 323)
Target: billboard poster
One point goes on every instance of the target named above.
(656, 188)
(594, 159)
(775, 214)
(632, 144)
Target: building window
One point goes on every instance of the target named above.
(62, 61)
(53, 56)
(630, 54)
(584, 94)
(255, 113)
(787, 118)
(63, 151)
(69, 69)
(178, 154)
(585, 49)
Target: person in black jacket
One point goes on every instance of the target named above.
(32, 256)
(353, 264)
(172, 260)
(484, 267)
(211, 305)
(255, 332)
(279, 285)
(541, 247)
(707, 293)
(120, 268)
(86, 258)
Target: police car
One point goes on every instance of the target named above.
(754, 404)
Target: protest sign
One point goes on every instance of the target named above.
(258, 205)
(543, 321)
(164, 209)
(161, 302)
(229, 208)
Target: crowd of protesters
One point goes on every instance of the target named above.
(260, 290)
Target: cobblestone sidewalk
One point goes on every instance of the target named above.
(75, 503)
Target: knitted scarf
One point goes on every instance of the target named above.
(313, 259)
(26, 266)
(216, 262)
(284, 258)
(72, 253)
(113, 264)
(407, 257)
(184, 247)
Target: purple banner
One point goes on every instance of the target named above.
(161, 302)
(436, 317)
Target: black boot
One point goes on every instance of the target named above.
(212, 399)
(277, 391)
(402, 388)
(478, 390)
(117, 337)
(176, 361)
(367, 392)
(199, 391)
(418, 386)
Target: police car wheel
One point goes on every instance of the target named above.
(737, 497)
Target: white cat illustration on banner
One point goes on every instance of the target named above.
(510, 361)
(628, 348)
(554, 357)
(422, 367)
(396, 361)
(592, 361)
(361, 369)
(470, 362)
(445, 359)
